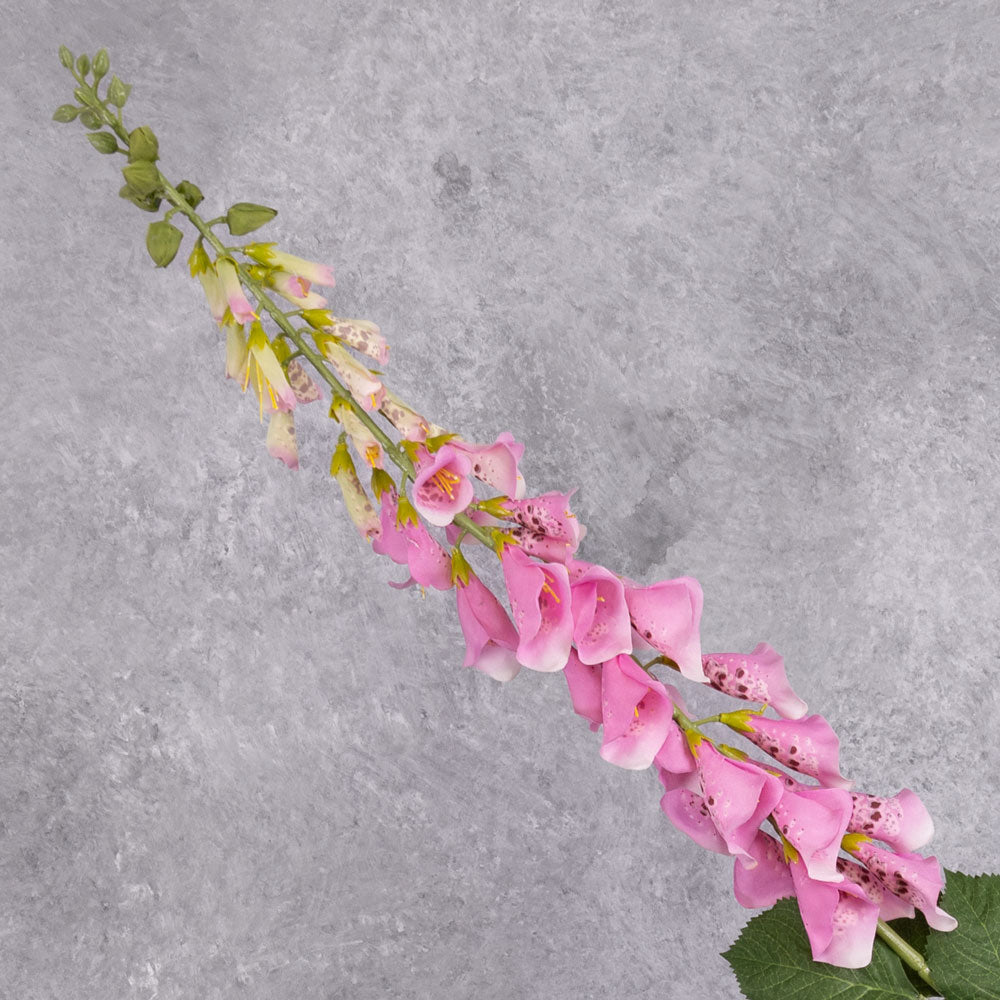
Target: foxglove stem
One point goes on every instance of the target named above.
(907, 953)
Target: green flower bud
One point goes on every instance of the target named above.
(101, 64)
(91, 119)
(65, 57)
(143, 176)
(118, 92)
(190, 193)
(83, 95)
(66, 113)
(147, 202)
(83, 65)
(142, 145)
(103, 142)
(244, 217)
(162, 242)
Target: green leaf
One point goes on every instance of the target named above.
(143, 176)
(244, 217)
(772, 961)
(101, 64)
(103, 142)
(66, 113)
(162, 242)
(118, 92)
(190, 193)
(91, 120)
(965, 962)
(65, 57)
(147, 202)
(142, 145)
(83, 65)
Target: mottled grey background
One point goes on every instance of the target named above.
(729, 267)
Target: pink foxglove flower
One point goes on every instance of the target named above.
(813, 821)
(667, 616)
(601, 625)
(689, 813)
(637, 714)
(406, 540)
(232, 288)
(496, 464)
(739, 796)
(757, 676)
(913, 878)
(490, 637)
(901, 821)
(409, 423)
(545, 526)
(809, 746)
(768, 879)
(361, 383)
(540, 599)
(441, 489)
(890, 906)
(391, 541)
(584, 681)
(840, 920)
(264, 253)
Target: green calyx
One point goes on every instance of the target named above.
(143, 146)
(342, 461)
(163, 241)
(381, 483)
(460, 568)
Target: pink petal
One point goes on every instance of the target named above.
(890, 906)
(813, 821)
(584, 682)
(901, 821)
(809, 746)
(483, 620)
(689, 813)
(765, 881)
(637, 714)
(441, 490)
(757, 676)
(667, 616)
(391, 542)
(429, 564)
(496, 464)
(540, 599)
(601, 626)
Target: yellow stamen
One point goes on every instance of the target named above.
(546, 589)
(637, 711)
(372, 453)
(445, 482)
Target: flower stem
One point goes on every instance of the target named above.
(907, 953)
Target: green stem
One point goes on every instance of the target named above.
(907, 953)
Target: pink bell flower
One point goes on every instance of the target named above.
(264, 253)
(689, 813)
(233, 290)
(540, 599)
(901, 821)
(637, 714)
(601, 625)
(584, 682)
(674, 757)
(405, 539)
(809, 746)
(840, 920)
(667, 616)
(890, 906)
(813, 821)
(391, 541)
(912, 877)
(263, 371)
(490, 637)
(545, 526)
(441, 489)
(361, 383)
(739, 796)
(765, 881)
(757, 676)
(496, 464)
(409, 423)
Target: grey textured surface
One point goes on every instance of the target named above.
(730, 267)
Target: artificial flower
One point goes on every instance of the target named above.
(667, 615)
(540, 599)
(757, 676)
(441, 488)
(636, 711)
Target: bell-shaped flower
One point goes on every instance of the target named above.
(757, 676)
(359, 334)
(264, 372)
(441, 489)
(409, 423)
(391, 541)
(637, 714)
(739, 795)
(667, 616)
(496, 464)
(768, 879)
(233, 290)
(689, 813)
(292, 287)
(281, 441)
(490, 637)
(601, 625)
(364, 441)
(890, 906)
(674, 756)
(359, 507)
(405, 539)
(584, 681)
(809, 746)
(813, 821)
(540, 599)
(545, 526)
(264, 253)
(202, 268)
(901, 821)
(361, 383)
(913, 878)
(305, 389)
(840, 920)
